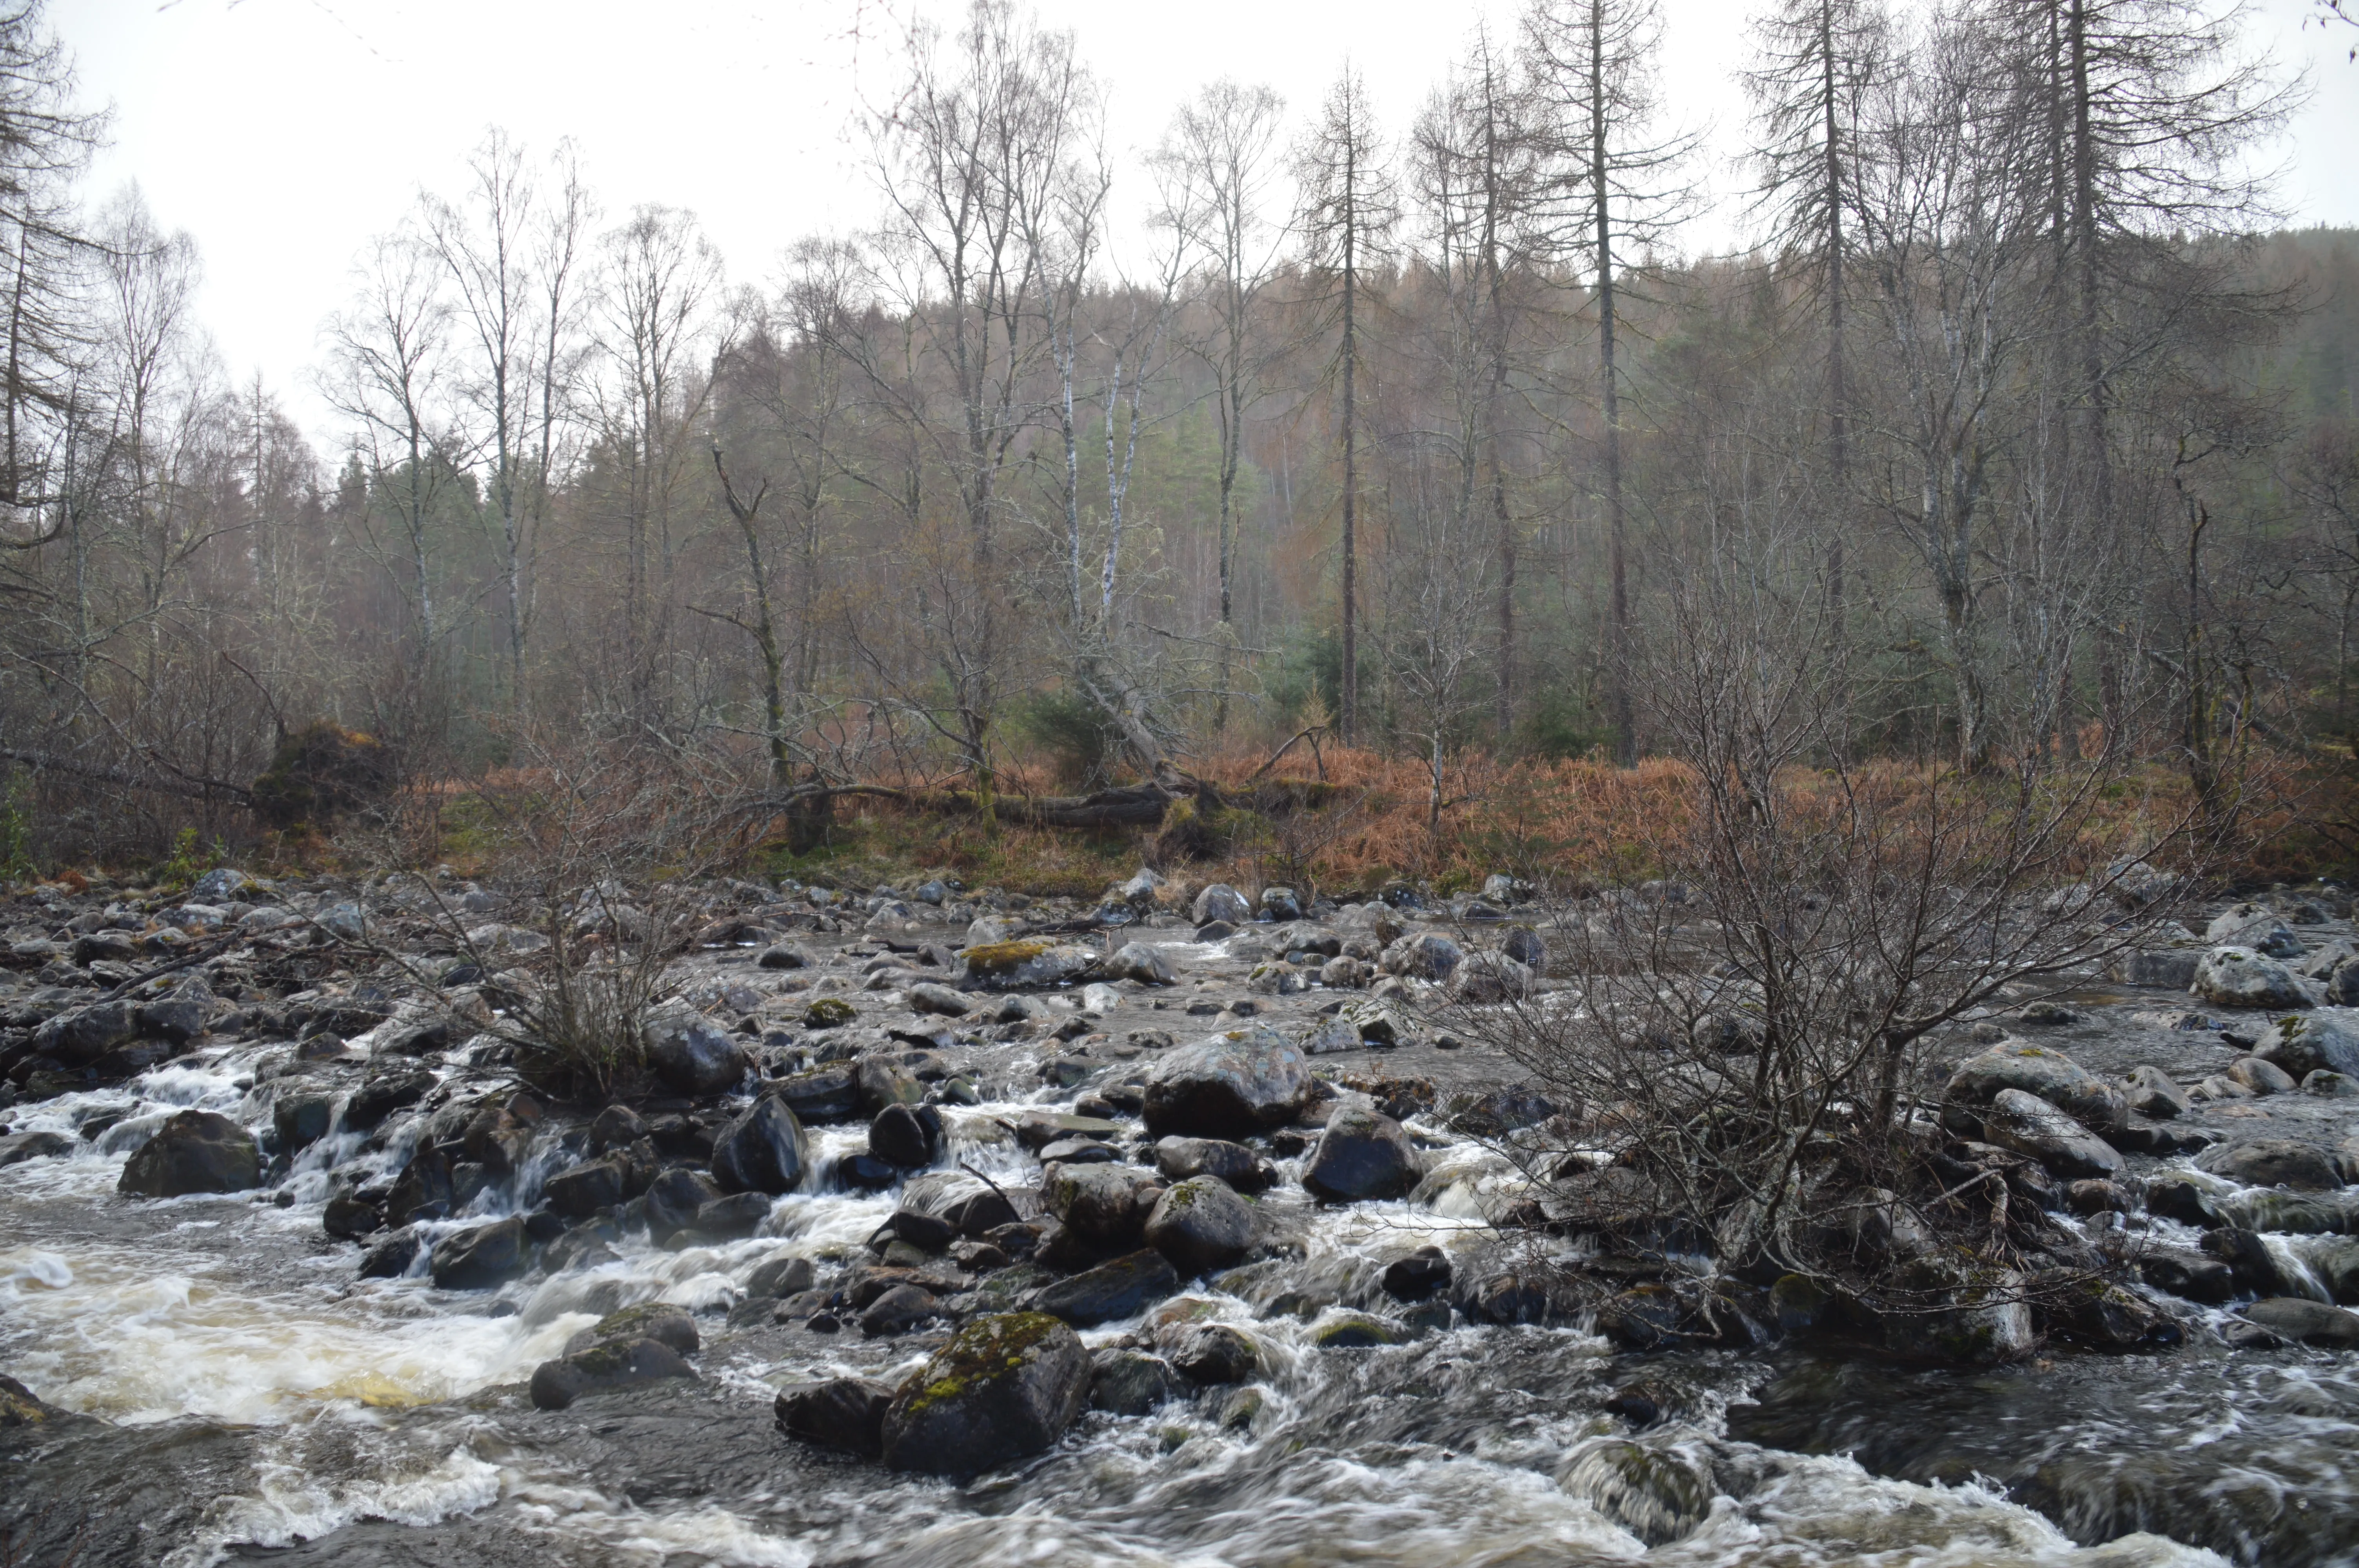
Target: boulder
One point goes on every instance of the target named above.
(18, 1147)
(1363, 1154)
(1427, 956)
(691, 1056)
(195, 1151)
(675, 1198)
(910, 1137)
(79, 1037)
(1105, 1206)
(2307, 1322)
(301, 1118)
(1657, 1494)
(1131, 1382)
(786, 956)
(1140, 963)
(388, 1088)
(1221, 902)
(2036, 1070)
(557, 1384)
(1213, 1355)
(940, 1000)
(881, 1079)
(590, 1187)
(1123, 1288)
(1483, 978)
(733, 1217)
(1228, 1085)
(1005, 1387)
(2152, 967)
(2156, 1094)
(780, 1277)
(668, 1325)
(2301, 1045)
(1201, 1225)
(1027, 965)
(2261, 1076)
(847, 1413)
(897, 1311)
(2273, 1163)
(2252, 926)
(2031, 1126)
(763, 1150)
(822, 1094)
(1177, 1158)
(1421, 1275)
(480, 1258)
(2188, 1275)
(2238, 977)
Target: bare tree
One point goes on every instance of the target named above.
(1349, 207)
(1621, 194)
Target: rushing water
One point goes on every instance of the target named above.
(260, 1401)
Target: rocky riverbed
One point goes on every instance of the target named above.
(953, 1227)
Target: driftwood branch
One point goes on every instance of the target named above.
(188, 786)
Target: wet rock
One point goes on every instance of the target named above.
(782, 1277)
(691, 1056)
(2155, 1094)
(928, 997)
(195, 1151)
(1004, 1387)
(2253, 926)
(733, 1217)
(616, 1127)
(1985, 1317)
(1213, 1355)
(2032, 1127)
(1228, 1085)
(1501, 1111)
(674, 1199)
(1178, 1159)
(2250, 1263)
(1219, 901)
(829, 1013)
(846, 1413)
(1200, 1225)
(300, 1120)
(786, 956)
(2326, 1084)
(19, 1147)
(1483, 978)
(2188, 1275)
(1363, 1154)
(2303, 1045)
(910, 1137)
(897, 1311)
(391, 1258)
(1131, 1382)
(2261, 1076)
(349, 1219)
(881, 1081)
(822, 1094)
(1139, 963)
(1122, 1288)
(2036, 1070)
(1104, 1205)
(1356, 1330)
(588, 1187)
(1422, 1274)
(78, 1037)
(663, 1322)
(2238, 977)
(1513, 1295)
(1426, 957)
(2273, 1163)
(1657, 1494)
(1027, 965)
(2093, 1195)
(557, 1384)
(2105, 1315)
(480, 1258)
(2307, 1322)
(388, 1088)
(763, 1150)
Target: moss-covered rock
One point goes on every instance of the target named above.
(829, 1013)
(1004, 1387)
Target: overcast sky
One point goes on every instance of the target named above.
(281, 134)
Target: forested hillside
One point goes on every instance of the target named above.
(2022, 405)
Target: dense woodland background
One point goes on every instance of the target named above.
(2022, 405)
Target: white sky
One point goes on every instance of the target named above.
(282, 134)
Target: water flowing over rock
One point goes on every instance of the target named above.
(195, 1151)
(1004, 1387)
(762, 1151)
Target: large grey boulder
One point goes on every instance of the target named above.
(692, 1055)
(2152, 967)
(1221, 902)
(1201, 1225)
(1105, 1205)
(1122, 1287)
(480, 1258)
(195, 1151)
(1426, 957)
(2036, 1070)
(1005, 1387)
(2031, 1126)
(837, 1412)
(1177, 1158)
(2312, 1322)
(599, 1368)
(1363, 1154)
(2303, 1043)
(1486, 977)
(2273, 1163)
(2238, 977)
(764, 1151)
(81, 1037)
(1229, 1085)
(2252, 926)
(1140, 963)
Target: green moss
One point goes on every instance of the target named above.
(986, 1349)
(829, 1013)
(1002, 957)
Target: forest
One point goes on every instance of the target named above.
(2021, 427)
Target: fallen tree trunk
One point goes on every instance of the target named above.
(187, 786)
